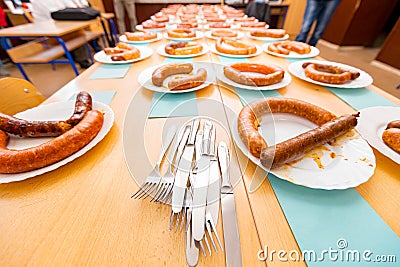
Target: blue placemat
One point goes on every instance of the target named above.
(104, 97)
(339, 222)
(164, 105)
(110, 71)
(360, 98)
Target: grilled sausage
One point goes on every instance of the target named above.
(26, 128)
(16, 161)
(327, 73)
(161, 73)
(271, 74)
(188, 81)
(294, 148)
(248, 120)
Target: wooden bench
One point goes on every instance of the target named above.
(47, 50)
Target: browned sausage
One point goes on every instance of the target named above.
(393, 124)
(328, 73)
(391, 137)
(161, 73)
(294, 148)
(16, 161)
(249, 118)
(271, 74)
(188, 81)
(25, 128)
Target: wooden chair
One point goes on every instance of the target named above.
(18, 95)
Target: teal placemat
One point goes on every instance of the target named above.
(360, 98)
(165, 105)
(110, 71)
(104, 97)
(339, 222)
(173, 105)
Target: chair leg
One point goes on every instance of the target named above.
(89, 52)
(68, 55)
(19, 66)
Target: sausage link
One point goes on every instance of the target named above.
(26, 128)
(393, 124)
(161, 73)
(271, 74)
(294, 148)
(16, 161)
(188, 81)
(249, 116)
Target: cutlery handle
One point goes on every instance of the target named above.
(223, 159)
(166, 144)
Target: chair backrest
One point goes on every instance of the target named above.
(18, 95)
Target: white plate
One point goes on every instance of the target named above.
(267, 39)
(140, 28)
(314, 52)
(233, 26)
(220, 74)
(214, 50)
(252, 28)
(199, 35)
(365, 79)
(161, 51)
(348, 163)
(239, 36)
(145, 78)
(373, 122)
(122, 38)
(54, 111)
(145, 52)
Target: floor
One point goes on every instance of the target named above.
(360, 58)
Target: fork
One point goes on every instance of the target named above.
(184, 216)
(152, 181)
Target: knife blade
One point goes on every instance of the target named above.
(213, 193)
(192, 246)
(233, 253)
(184, 168)
(200, 185)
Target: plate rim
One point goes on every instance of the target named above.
(239, 143)
(314, 52)
(275, 86)
(204, 85)
(161, 51)
(214, 50)
(149, 52)
(351, 85)
(381, 147)
(158, 38)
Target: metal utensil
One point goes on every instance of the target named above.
(229, 218)
(151, 183)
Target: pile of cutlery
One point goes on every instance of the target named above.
(192, 185)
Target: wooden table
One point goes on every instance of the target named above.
(68, 35)
(83, 214)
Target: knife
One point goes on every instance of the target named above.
(229, 218)
(184, 167)
(213, 193)
(200, 185)
(192, 246)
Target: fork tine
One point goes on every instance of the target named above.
(178, 215)
(183, 219)
(159, 191)
(153, 186)
(211, 237)
(142, 190)
(162, 196)
(215, 233)
(202, 248)
(207, 244)
(171, 220)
